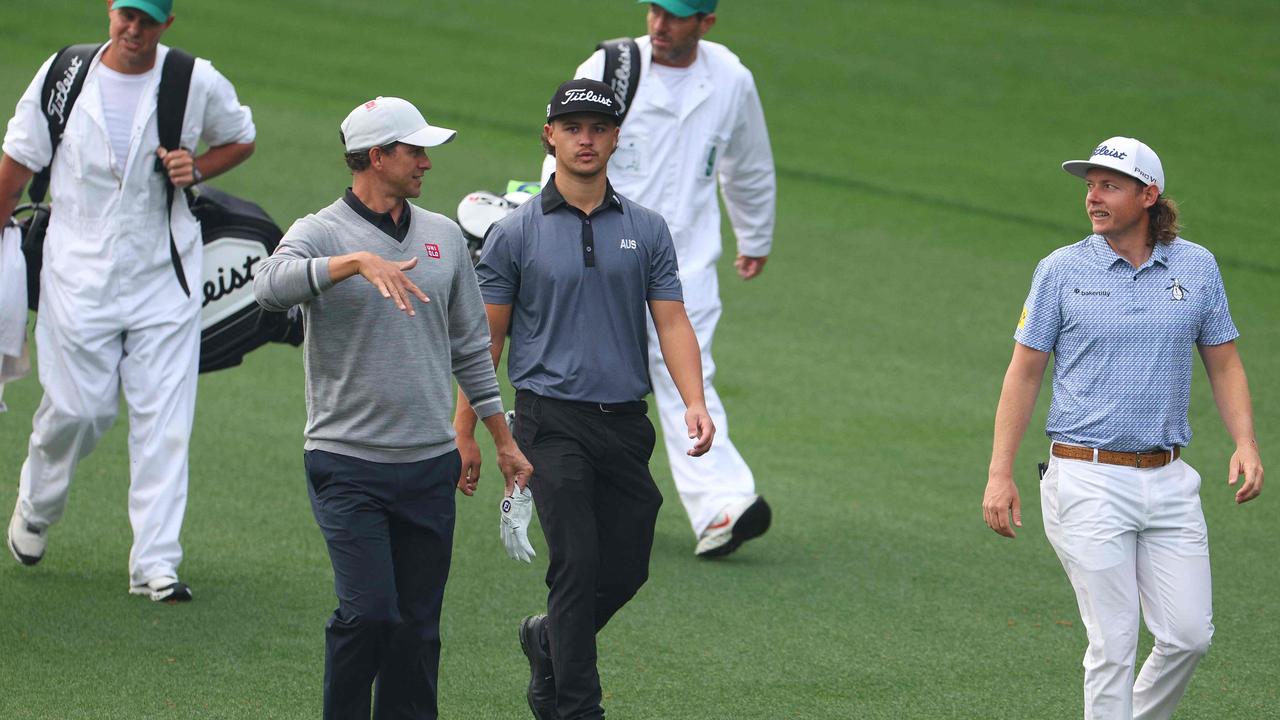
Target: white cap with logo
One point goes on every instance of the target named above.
(1125, 155)
(385, 120)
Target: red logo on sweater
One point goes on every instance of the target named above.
(433, 251)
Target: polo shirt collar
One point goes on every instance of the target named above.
(552, 199)
(1161, 254)
(397, 230)
(1108, 257)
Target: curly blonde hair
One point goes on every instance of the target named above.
(1164, 225)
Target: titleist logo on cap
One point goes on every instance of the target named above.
(1104, 150)
(586, 96)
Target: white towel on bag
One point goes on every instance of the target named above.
(14, 362)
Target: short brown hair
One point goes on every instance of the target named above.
(359, 161)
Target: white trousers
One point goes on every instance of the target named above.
(706, 484)
(83, 363)
(1133, 540)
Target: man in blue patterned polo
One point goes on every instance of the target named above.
(1121, 311)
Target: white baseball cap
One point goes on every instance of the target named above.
(386, 120)
(1125, 155)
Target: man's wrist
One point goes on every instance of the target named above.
(1249, 443)
(1000, 474)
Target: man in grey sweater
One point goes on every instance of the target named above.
(380, 456)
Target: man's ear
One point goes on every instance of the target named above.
(1150, 195)
(706, 24)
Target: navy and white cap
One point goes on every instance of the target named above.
(384, 120)
(1125, 155)
(583, 95)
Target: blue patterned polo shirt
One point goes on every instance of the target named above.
(1122, 340)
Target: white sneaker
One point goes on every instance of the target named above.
(163, 589)
(26, 541)
(737, 523)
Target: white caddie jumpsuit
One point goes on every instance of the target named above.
(112, 313)
(669, 158)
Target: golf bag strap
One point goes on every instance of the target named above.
(171, 107)
(622, 71)
(62, 85)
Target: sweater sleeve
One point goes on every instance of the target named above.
(298, 270)
(469, 336)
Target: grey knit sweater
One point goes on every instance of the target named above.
(378, 385)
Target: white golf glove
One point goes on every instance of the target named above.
(517, 512)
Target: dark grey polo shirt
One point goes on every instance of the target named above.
(579, 287)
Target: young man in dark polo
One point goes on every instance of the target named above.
(570, 274)
(392, 311)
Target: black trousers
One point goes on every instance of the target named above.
(389, 530)
(598, 506)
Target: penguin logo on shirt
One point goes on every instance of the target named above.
(1177, 292)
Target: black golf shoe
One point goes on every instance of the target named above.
(542, 680)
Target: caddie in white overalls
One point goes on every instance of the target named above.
(113, 314)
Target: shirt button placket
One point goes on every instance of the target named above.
(588, 243)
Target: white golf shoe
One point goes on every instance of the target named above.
(163, 589)
(26, 541)
(737, 523)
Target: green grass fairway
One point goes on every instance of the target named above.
(918, 144)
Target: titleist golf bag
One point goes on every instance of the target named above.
(237, 236)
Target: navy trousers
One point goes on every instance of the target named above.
(598, 506)
(389, 530)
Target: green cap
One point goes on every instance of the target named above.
(683, 8)
(159, 10)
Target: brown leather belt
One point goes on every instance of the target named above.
(1152, 459)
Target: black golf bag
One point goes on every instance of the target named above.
(237, 236)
